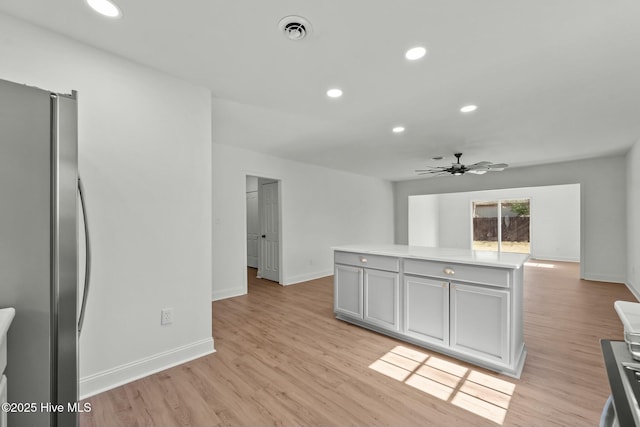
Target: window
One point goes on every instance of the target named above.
(502, 225)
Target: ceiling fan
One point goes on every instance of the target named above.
(458, 169)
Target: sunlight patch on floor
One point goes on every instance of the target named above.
(474, 391)
(539, 264)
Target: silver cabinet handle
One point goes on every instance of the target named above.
(363, 260)
(87, 264)
(449, 271)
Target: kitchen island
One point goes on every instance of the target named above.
(463, 303)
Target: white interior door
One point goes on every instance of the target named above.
(269, 239)
(253, 229)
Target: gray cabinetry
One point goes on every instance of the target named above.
(348, 290)
(426, 309)
(469, 307)
(480, 321)
(367, 287)
(381, 295)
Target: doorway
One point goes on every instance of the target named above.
(263, 208)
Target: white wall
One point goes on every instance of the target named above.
(320, 208)
(455, 218)
(555, 218)
(603, 195)
(145, 160)
(633, 215)
(424, 220)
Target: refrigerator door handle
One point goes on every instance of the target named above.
(87, 265)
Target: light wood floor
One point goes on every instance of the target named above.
(283, 359)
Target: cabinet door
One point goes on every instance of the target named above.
(381, 298)
(480, 321)
(426, 309)
(348, 290)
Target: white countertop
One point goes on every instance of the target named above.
(629, 313)
(460, 256)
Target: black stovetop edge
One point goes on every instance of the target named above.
(620, 401)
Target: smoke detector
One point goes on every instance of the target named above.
(295, 27)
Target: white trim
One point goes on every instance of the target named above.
(306, 277)
(603, 278)
(123, 374)
(229, 293)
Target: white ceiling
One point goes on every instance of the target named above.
(554, 80)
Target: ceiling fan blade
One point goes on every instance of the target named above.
(479, 165)
(498, 166)
(434, 167)
(431, 170)
(479, 171)
(433, 173)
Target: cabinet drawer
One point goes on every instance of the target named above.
(467, 273)
(377, 262)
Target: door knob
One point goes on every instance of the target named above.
(264, 236)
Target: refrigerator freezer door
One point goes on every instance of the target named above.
(25, 244)
(37, 243)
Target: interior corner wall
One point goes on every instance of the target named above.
(633, 213)
(144, 155)
(603, 198)
(320, 208)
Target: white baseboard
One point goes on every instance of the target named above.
(236, 292)
(603, 278)
(306, 277)
(227, 293)
(123, 374)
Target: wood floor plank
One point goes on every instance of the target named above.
(283, 360)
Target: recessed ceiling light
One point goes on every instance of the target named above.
(105, 7)
(468, 108)
(398, 129)
(415, 53)
(334, 93)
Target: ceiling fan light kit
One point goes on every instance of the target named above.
(459, 169)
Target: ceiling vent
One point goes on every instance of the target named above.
(295, 27)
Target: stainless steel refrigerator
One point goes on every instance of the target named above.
(39, 251)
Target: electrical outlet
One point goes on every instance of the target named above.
(166, 316)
